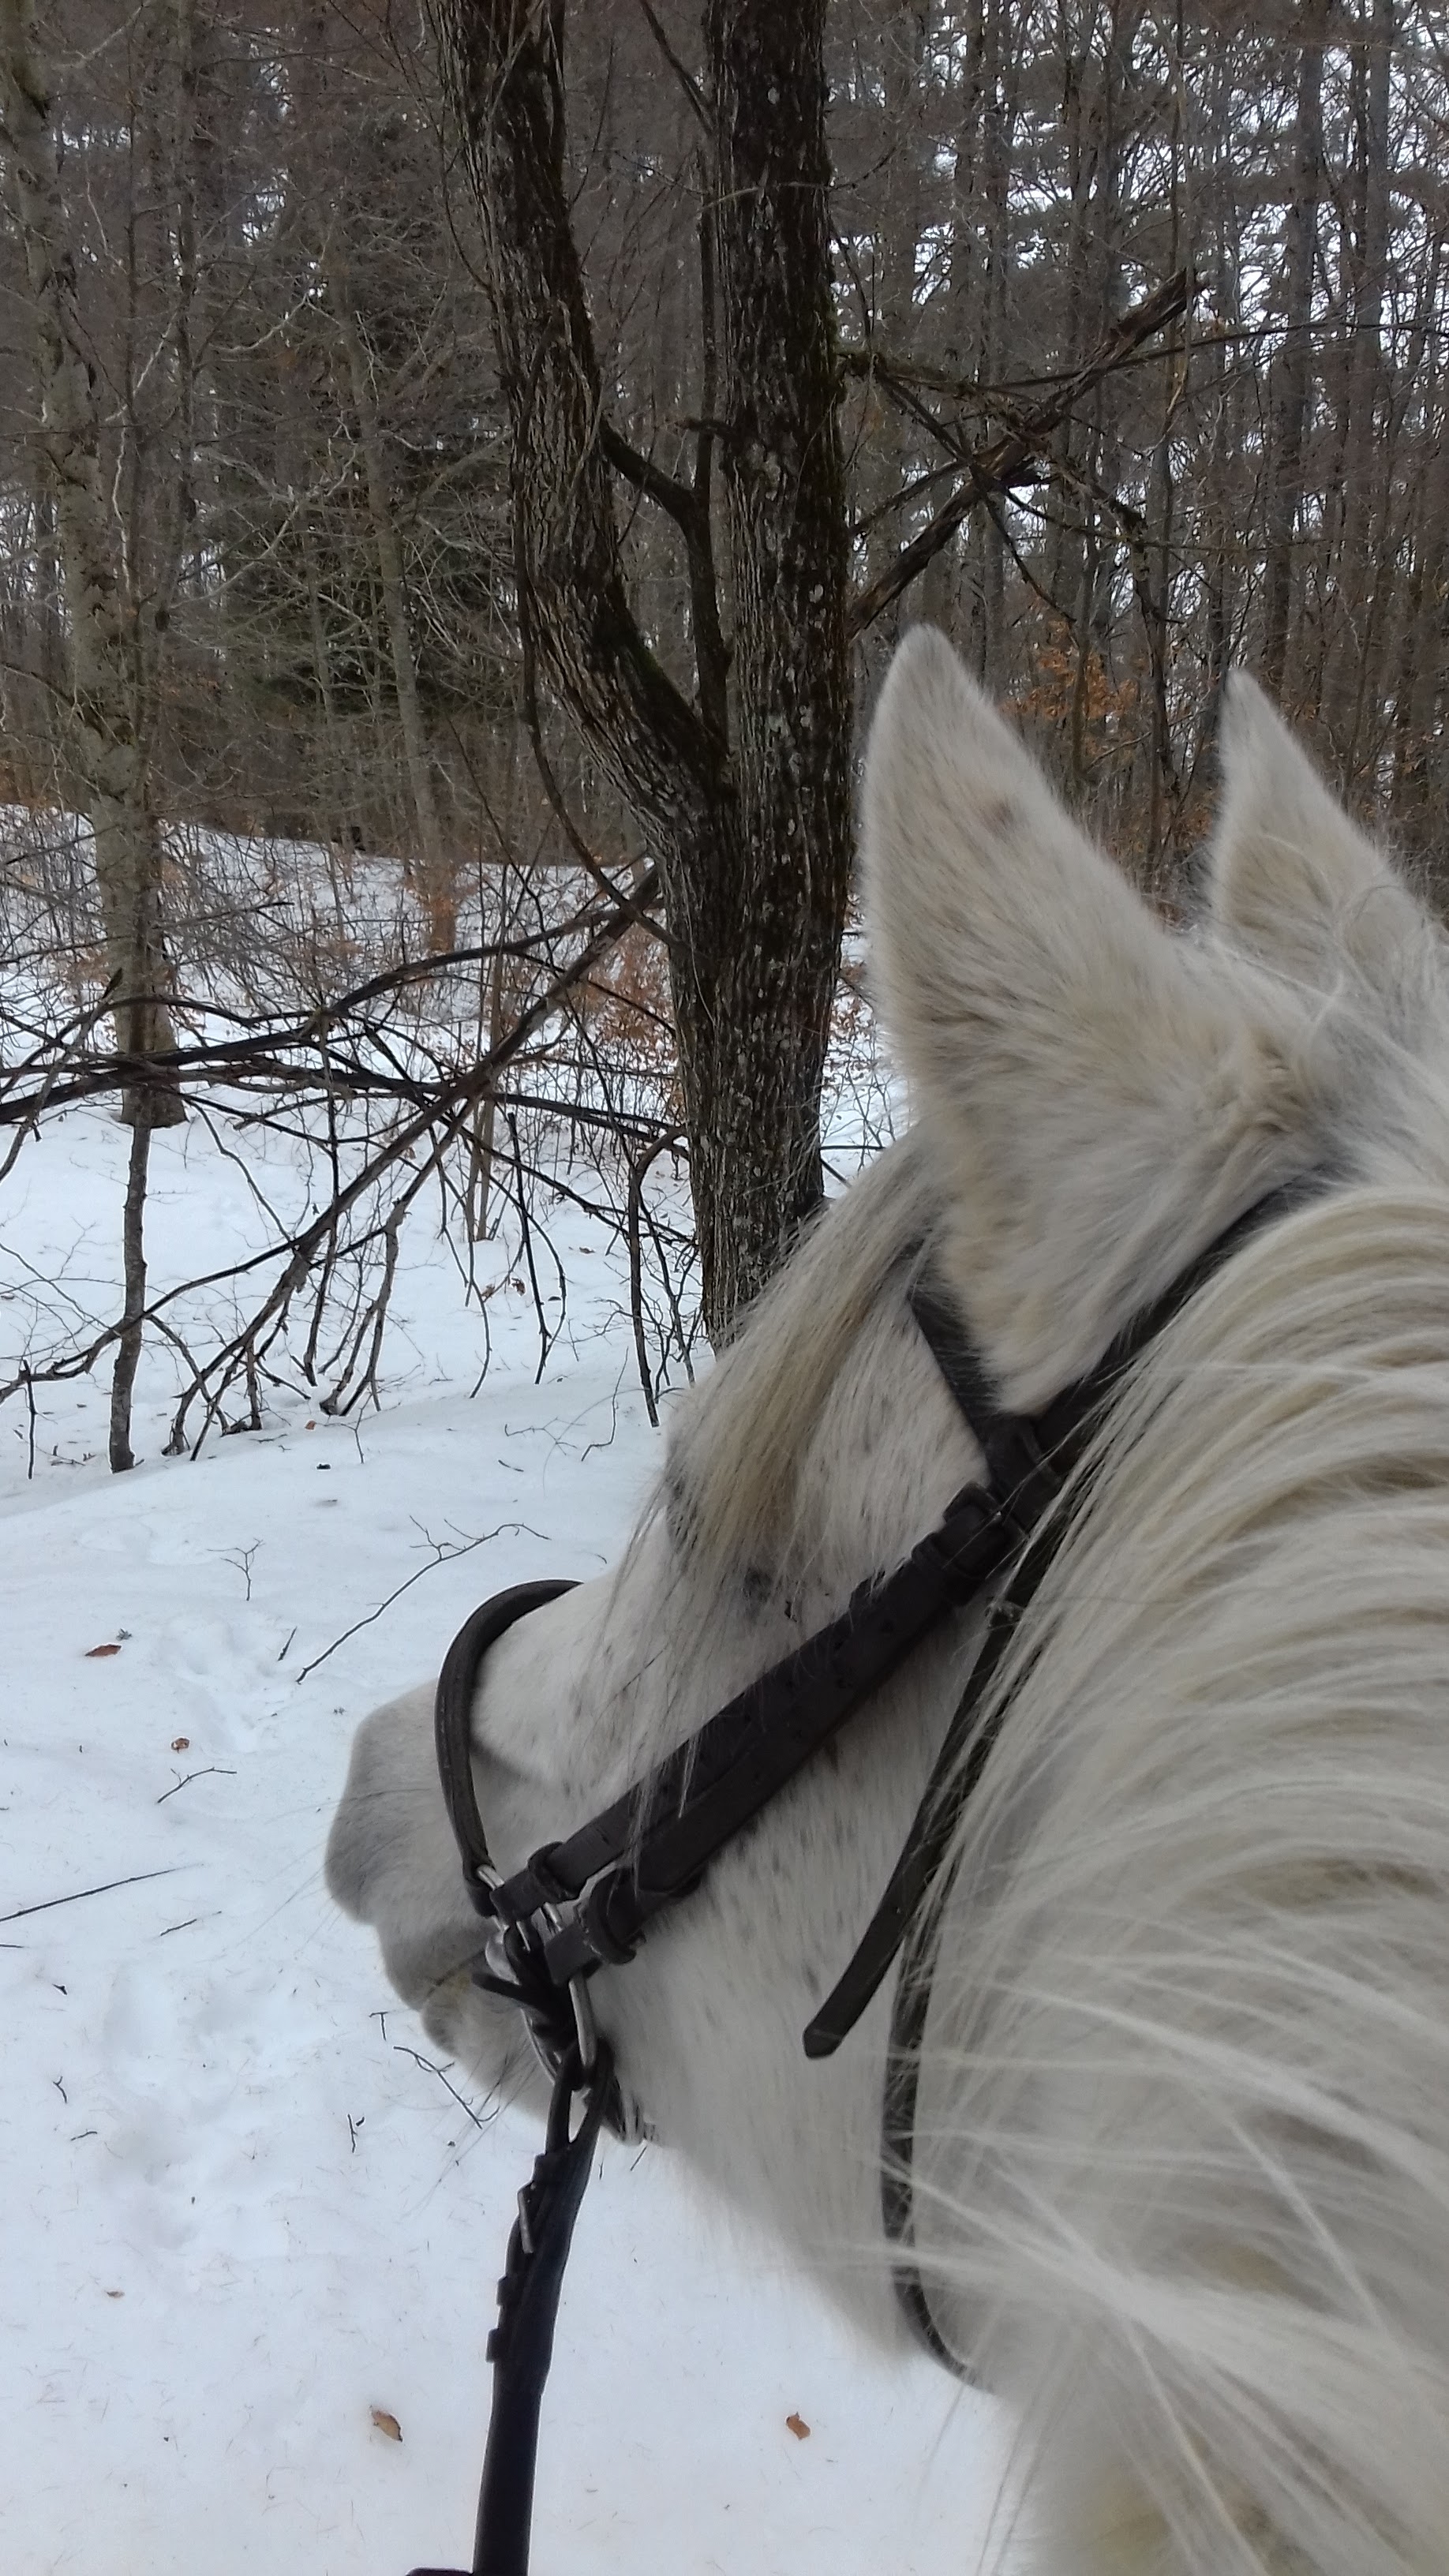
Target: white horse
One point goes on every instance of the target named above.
(1183, 2154)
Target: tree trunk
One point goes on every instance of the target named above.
(998, 124)
(752, 849)
(1420, 677)
(133, 1255)
(1293, 373)
(110, 708)
(1368, 476)
(433, 877)
(775, 934)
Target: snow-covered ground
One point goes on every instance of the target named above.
(244, 2204)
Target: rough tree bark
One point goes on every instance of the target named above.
(776, 931)
(431, 872)
(740, 789)
(1293, 372)
(1369, 438)
(109, 710)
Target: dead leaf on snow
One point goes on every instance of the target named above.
(798, 2426)
(93, 1651)
(387, 2424)
(181, 1744)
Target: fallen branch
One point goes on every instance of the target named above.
(48, 1903)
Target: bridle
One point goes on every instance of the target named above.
(586, 1902)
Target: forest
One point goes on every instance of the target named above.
(357, 781)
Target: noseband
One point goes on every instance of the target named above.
(586, 1902)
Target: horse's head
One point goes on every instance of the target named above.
(1185, 2080)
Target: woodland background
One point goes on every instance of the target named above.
(403, 913)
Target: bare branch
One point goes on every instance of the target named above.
(1016, 459)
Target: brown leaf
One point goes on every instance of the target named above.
(181, 1744)
(93, 1651)
(798, 2426)
(387, 2424)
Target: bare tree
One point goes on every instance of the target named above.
(118, 563)
(1109, 337)
(740, 787)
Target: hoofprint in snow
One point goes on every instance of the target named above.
(252, 2223)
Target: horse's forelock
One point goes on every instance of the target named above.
(732, 1483)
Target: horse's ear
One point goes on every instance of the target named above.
(1289, 875)
(1101, 1097)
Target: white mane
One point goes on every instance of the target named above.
(734, 1478)
(1190, 2074)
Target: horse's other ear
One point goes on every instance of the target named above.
(1291, 877)
(1101, 1098)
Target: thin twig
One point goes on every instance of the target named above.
(47, 1903)
(444, 1556)
(213, 1769)
(441, 2072)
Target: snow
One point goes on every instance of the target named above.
(245, 2206)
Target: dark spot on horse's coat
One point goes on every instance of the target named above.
(755, 1588)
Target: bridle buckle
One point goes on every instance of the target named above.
(522, 1960)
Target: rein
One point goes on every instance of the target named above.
(585, 1902)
